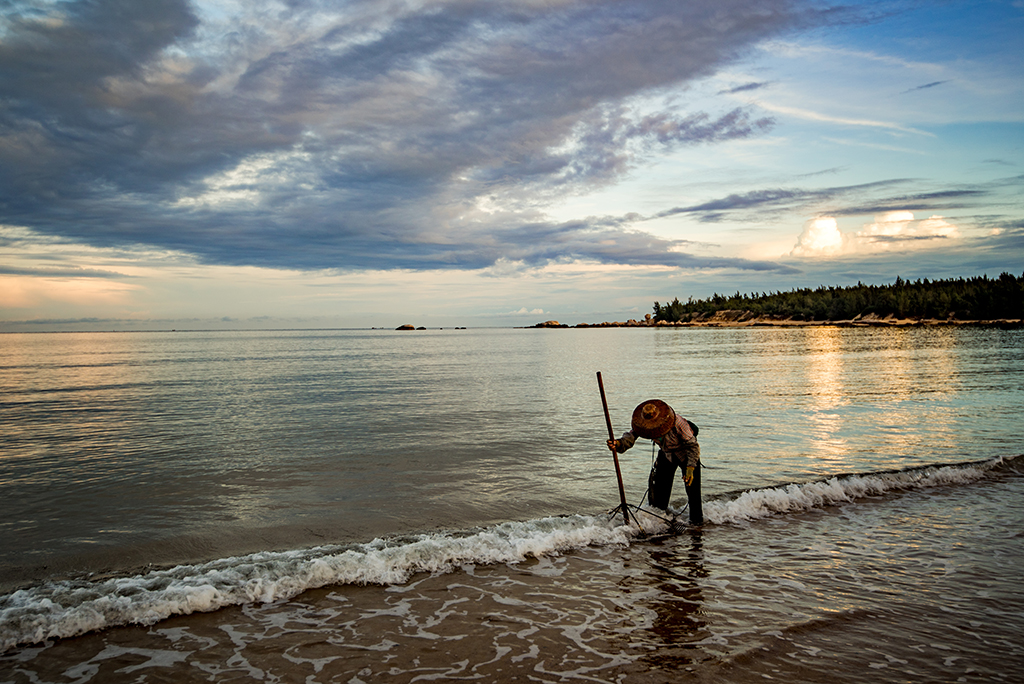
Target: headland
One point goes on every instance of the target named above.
(736, 318)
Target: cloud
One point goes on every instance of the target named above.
(924, 87)
(315, 135)
(942, 200)
(775, 200)
(60, 272)
(1004, 238)
(17, 292)
(745, 88)
(811, 115)
(877, 197)
(894, 231)
(820, 237)
(900, 226)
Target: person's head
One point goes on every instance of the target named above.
(653, 419)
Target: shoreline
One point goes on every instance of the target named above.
(733, 318)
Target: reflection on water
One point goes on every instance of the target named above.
(826, 383)
(920, 378)
(680, 617)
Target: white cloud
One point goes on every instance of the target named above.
(842, 120)
(898, 226)
(892, 231)
(821, 236)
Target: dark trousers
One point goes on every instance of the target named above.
(659, 488)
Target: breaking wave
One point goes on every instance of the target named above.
(760, 503)
(67, 608)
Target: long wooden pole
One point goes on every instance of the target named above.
(615, 454)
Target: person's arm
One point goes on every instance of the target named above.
(626, 441)
(692, 461)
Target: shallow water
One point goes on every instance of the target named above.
(147, 475)
(912, 585)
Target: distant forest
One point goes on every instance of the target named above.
(981, 298)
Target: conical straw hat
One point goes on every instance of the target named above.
(652, 419)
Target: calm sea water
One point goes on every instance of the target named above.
(398, 506)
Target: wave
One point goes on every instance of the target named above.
(759, 503)
(72, 607)
(66, 608)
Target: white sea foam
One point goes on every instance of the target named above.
(72, 607)
(760, 503)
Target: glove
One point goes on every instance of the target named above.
(688, 477)
(613, 444)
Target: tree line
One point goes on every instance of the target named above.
(980, 298)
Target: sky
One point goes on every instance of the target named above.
(372, 163)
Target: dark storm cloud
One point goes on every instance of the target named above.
(365, 136)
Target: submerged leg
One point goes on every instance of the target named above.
(693, 498)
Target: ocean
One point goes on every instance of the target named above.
(439, 505)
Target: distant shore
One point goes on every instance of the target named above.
(733, 318)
